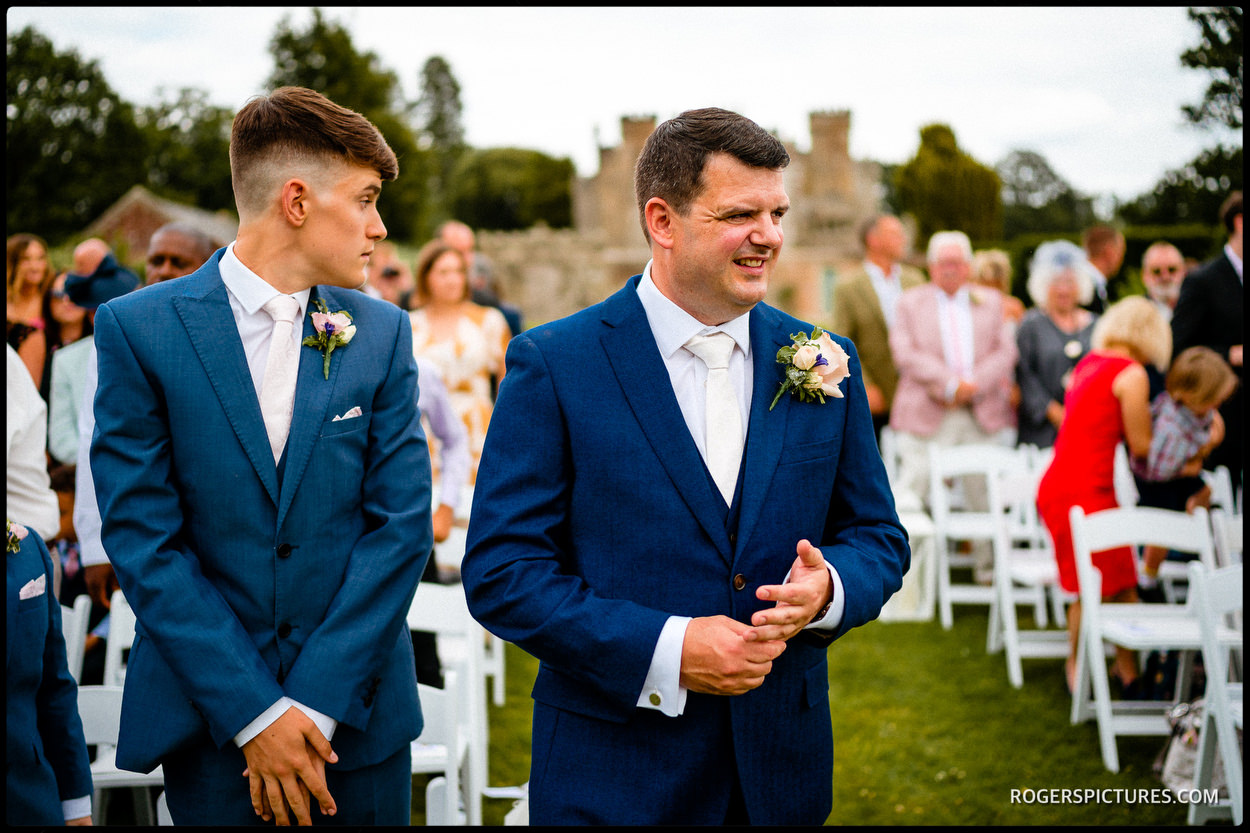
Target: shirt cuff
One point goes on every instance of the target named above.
(324, 723)
(662, 691)
(262, 722)
(76, 808)
(832, 619)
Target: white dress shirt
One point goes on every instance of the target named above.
(961, 339)
(248, 294)
(672, 327)
(887, 286)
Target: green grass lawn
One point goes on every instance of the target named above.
(927, 730)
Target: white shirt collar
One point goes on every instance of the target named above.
(672, 326)
(1233, 259)
(249, 289)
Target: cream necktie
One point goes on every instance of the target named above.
(724, 423)
(277, 388)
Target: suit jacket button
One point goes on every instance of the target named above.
(284, 551)
(284, 630)
(740, 581)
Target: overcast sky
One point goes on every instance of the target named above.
(1097, 91)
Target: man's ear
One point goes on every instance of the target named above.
(293, 202)
(660, 219)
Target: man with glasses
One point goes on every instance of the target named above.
(1162, 270)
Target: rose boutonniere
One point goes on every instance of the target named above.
(334, 329)
(16, 533)
(814, 367)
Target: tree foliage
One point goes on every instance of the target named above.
(512, 188)
(945, 188)
(440, 133)
(1189, 194)
(322, 57)
(72, 147)
(1219, 51)
(189, 156)
(1037, 199)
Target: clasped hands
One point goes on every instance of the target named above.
(721, 655)
(286, 763)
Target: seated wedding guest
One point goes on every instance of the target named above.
(464, 340)
(992, 268)
(47, 774)
(28, 274)
(86, 292)
(1052, 338)
(955, 358)
(65, 323)
(1187, 427)
(1107, 403)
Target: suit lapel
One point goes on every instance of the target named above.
(312, 401)
(766, 432)
(211, 327)
(643, 378)
(868, 297)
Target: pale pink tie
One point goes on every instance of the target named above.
(277, 388)
(956, 343)
(724, 422)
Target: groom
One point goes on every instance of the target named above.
(677, 554)
(266, 506)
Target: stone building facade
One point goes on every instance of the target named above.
(549, 273)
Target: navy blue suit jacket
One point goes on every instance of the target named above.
(45, 754)
(248, 586)
(594, 520)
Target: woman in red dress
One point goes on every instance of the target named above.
(1108, 403)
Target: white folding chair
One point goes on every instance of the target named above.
(74, 622)
(1023, 558)
(442, 610)
(1228, 532)
(450, 553)
(101, 708)
(1221, 482)
(121, 636)
(889, 453)
(1219, 599)
(953, 523)
(1137, 627)
(442, 748)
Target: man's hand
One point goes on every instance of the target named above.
(285, 764)
(964, 393)
(717, 659)
(444, 516)
(85, 821)
(799, 600)
(101, 582)
(876, 399)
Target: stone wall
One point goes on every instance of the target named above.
(550, 274)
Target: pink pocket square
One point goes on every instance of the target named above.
(352, 414)
(34, 587)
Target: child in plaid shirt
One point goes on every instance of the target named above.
(1187, 427)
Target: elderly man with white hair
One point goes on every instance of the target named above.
(1162, 270)
(1053, 337)
(955, 358)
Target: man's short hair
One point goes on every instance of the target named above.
(203, 244)
(673, 157)
(1098, 238)
(297, 126)
(1230, 209)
